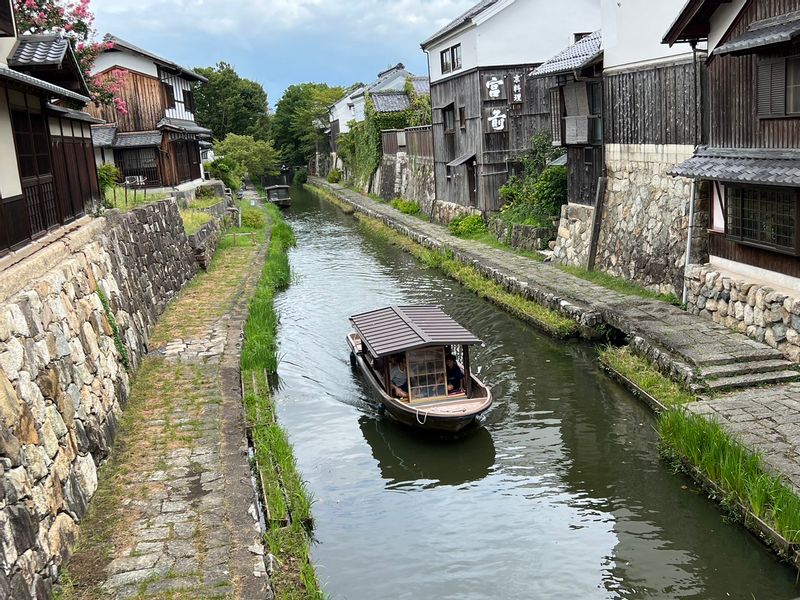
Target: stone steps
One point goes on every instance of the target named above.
(734, 369)
(749, 380)
(749, 356)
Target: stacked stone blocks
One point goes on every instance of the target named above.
(62, 384)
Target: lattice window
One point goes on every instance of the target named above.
(765, 217)
(427, 374)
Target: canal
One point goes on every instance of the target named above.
(561, 494)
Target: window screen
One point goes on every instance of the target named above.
(427, 373)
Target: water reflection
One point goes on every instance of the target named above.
(424, 462)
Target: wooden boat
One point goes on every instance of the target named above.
(422, 335)
(279, 195)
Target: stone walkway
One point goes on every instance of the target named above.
(180, 497)
(707, 356)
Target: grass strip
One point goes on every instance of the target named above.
(641, 372)
(126, 199)
(618, 284)
(194, 219)
(467, 275)
(704, 445)
(288, 501)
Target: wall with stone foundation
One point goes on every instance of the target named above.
(646, 215)
(757, 310)
(523, 237)
(63, 381)
(574, 235)
(405, 176)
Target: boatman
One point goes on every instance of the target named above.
(455, 378)
(399, 376)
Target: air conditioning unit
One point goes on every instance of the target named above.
(576, 130)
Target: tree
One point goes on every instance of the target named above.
(74, 20)
(229, 103)
(256, 157)
(300, 116)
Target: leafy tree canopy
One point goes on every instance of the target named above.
(229, 103)
(300, 116)
(256, 157)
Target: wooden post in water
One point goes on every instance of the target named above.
(467, 375)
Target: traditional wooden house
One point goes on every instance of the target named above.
(157, 141)
(47, 172)
(486, 107)
(627, 108)
(752, 160)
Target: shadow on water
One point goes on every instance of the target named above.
(560, 495)
(429, 461)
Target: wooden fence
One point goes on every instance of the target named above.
(415, 141)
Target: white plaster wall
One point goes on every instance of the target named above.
(10, 184)
(179, 111)
(6, 46)
(721, 20)
(533, 31)
(341, 110)
(633, 29)
(469, 53)
(396, 82)
(131, 62)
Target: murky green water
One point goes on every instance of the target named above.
(561, 495)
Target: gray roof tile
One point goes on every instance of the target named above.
(460, 20)
(768, 167)
(46, 49)
(55, 90)
(103, 135)
(183, 125)
(577, 56)
(421, 85)
(138, 139)
(767, 32)
(385, 102)
(120, 43)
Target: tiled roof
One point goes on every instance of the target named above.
(581, 54)
(767, 32)
(103, 135)
(746, 165)
(55, 90)
(421, 85)
(138, 139)
(460, 20)
(183, 125)
(383, 76)
(386, 102)
(76, 115)
(188, 73)
(46, 49)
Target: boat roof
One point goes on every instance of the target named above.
(395, 329)
(276, 187)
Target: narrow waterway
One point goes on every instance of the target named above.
(561, 495)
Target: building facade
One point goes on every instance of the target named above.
(47, 172)
(486, 105)
(157, 142)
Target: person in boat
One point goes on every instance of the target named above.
(455, 377)
(399, 377)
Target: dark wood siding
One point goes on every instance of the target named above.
(720, 246)
(419, 141)
(389, 141)
(733, 92)
(654, 105)
(144, 96)
(585, 168)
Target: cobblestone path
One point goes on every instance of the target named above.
(175, 514)
(698, 351)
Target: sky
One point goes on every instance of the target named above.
(281, 42)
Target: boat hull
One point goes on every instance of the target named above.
(451, 416)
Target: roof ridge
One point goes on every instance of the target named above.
(407, 320)
(776, 20)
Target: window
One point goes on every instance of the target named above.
(6, 19)
(447, 64)
(462, 117)
(455, 51)
(778, 86)
(427, 375)
(763, 217)
(451, 59)
(169, 93)
(449, 117)
(188, 101)
(30, 135)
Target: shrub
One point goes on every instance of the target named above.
(334, 176)
(467, 226)
(252, 218)
(550, 191)
(205, 192)
(107, 176)
(226, 171)
(300, 177)
(407, 207)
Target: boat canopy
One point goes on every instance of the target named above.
(396, 329)
(277, 187)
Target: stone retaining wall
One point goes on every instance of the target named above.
(523, 237)
(574, 235)
(754, 309)
(404, 176)
(204, 242)
(63, 382)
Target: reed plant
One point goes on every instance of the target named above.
(692, 441)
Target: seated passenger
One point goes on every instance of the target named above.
(399, 378)
(455, 378)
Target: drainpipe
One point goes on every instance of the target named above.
(689, 234)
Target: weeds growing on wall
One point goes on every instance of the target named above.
(112, 321)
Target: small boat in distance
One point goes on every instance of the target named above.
(279, 195)
(419, 340)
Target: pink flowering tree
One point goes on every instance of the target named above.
(74, 19)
